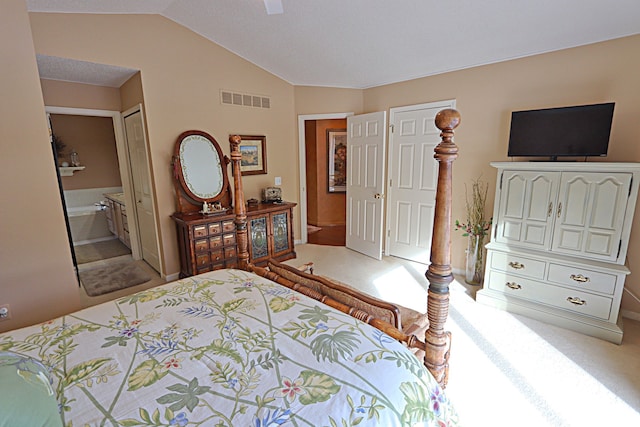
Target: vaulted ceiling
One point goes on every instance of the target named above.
(368, 43)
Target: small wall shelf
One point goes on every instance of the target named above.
(69, 170)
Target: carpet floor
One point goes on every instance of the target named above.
(113, 277)
(506, 369)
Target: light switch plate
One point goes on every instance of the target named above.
(278, 180)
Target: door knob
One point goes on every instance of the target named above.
(377, 196)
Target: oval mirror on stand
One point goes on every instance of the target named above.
(200, 173)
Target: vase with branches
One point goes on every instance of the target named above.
(476, 228)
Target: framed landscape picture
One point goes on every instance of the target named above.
(337, 160)
(254, 154)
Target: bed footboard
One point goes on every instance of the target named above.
(437, 341)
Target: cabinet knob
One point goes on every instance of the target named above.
(550, 209)
(559, 209)
(579, 278)
(516, 265)
(576, 301)
(513, 285)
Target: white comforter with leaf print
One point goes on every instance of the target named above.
(228, 348)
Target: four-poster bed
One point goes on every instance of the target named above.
(252, 345)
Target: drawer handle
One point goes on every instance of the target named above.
(580, 278)
(576, 301)
(513, 285)
(516, 265)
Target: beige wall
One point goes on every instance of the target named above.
(57, 93)
(486, 96)
(36, 270)
(94, 140)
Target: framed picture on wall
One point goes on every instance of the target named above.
(337, 156)
(254, 154)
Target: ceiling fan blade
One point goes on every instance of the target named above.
(274, 7)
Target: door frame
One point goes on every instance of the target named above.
(140, 108)
(123, 159)
(302, 160)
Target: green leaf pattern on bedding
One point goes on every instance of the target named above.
(228, 348)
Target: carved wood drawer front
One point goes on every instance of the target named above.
(201, 245)
(230, 252)
(217, 256)
(215, 242)
(581, 278)
(202, 260)
(215, 228)
(517, 264)
(199, 231)
(229, 239)
(228, 226)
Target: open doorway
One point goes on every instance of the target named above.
(85, 147)
(325, 160)
(304, 122)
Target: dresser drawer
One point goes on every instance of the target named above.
(202, 260)
(567, 299)
(201, 245)
(517, 264)
(230, 252)
(217, 256)
(229, 239)
(215, 242)
(228, 226)
(581, 278)
(215, 228)
(199, 231)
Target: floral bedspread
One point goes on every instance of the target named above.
(228, 348)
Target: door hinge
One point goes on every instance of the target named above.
(501, 175)
(391, 127)
(619, 248)
(630, 186)
(389, 233)
(390, 183)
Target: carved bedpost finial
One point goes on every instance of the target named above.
(239, 209)
(438, 342)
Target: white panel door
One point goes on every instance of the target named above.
(142, 189)
(413, 178)
(365, 182)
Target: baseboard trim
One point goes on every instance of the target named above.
(630, 314)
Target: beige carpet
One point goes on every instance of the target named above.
(101, 250)
(109, 278)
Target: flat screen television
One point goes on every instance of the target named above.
(577, 131)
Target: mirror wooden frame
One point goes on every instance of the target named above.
(187, 201)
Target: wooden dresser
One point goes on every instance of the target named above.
(208, 242)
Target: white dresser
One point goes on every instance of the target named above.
(559, 243)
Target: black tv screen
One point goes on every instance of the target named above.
(561, 132)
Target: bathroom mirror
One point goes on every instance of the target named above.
(200, 172)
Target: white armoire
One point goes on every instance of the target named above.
(559, 243)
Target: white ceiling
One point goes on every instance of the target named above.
(368, 43)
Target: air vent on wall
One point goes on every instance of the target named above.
(244, 99)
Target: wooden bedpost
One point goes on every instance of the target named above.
(438, 341)
(239, 209)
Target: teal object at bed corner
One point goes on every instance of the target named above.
(26, 396)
